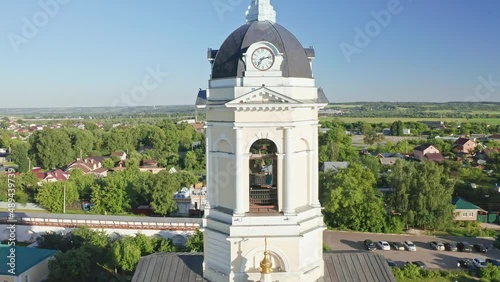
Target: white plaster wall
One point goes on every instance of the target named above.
(26, 233)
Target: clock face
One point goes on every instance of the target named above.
(263, 58)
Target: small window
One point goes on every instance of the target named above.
(471, 214)
(464, 214)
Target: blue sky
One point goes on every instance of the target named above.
(95, 52)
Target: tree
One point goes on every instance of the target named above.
(163, 188)
(110, 195)
(51, 195)
(350, 200)
(372, 137)
(161, 245)
(52, 148)
(83, 183)
(20, 155)
(5, 140)
(397, 128)
(194, 242)
(84, 236)
(108, 163)
(336, 145)
(121, 139)
(190, 161)
(54, 241)
(421, 194)
(144, 243)
(82, 141)
(73, 265)
(185, 178)
(125, 253)
(186, 133)
(172, 138)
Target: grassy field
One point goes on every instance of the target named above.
(491, 121)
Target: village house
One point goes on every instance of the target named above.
(464, 145)
(89, 165)
(423, 150)
(190, 201)
(150, 166)
(50, 176)
(122, 156)
(466, 211)
(32, 264)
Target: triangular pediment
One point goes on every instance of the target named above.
(262, 95)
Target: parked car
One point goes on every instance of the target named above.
(452, 247)
(391, 263)
(410, 246)
(480, 248)
(468, 264)
(383, 245)
(370, 246)
(397, 246)
(437, 245)
(464, 247)
(479, 262)
(420, 264)
(495, 262)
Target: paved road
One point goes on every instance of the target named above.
(353, 241)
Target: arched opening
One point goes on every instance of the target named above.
(263, 176)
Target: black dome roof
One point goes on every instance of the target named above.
(228, 62)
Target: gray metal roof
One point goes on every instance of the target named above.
(201, 99)
(335, 166)
(339, 267)
(228, 61)
(356, 267)
(171, 267)
(322, 99)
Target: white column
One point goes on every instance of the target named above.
(280, 181)
(208, 178)
(239, 209)
(288, 205)
(315, 169)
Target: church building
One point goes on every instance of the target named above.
(262, 155)
(263, 219)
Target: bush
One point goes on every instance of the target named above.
(471, 229)
(427, 273)
(412, 271)
(326, 248)
(490, 272)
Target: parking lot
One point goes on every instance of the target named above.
(353, 241)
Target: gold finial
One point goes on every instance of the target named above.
(266, 265)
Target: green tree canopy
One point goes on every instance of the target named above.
(163, 188)
(52, 148)
(397, 128)
(73, 265)
(20, 155)
(350, 200)
(51, 195)
(125, 253)
(421, 194)
(194, 242)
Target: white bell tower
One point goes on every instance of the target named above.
(262, 155)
